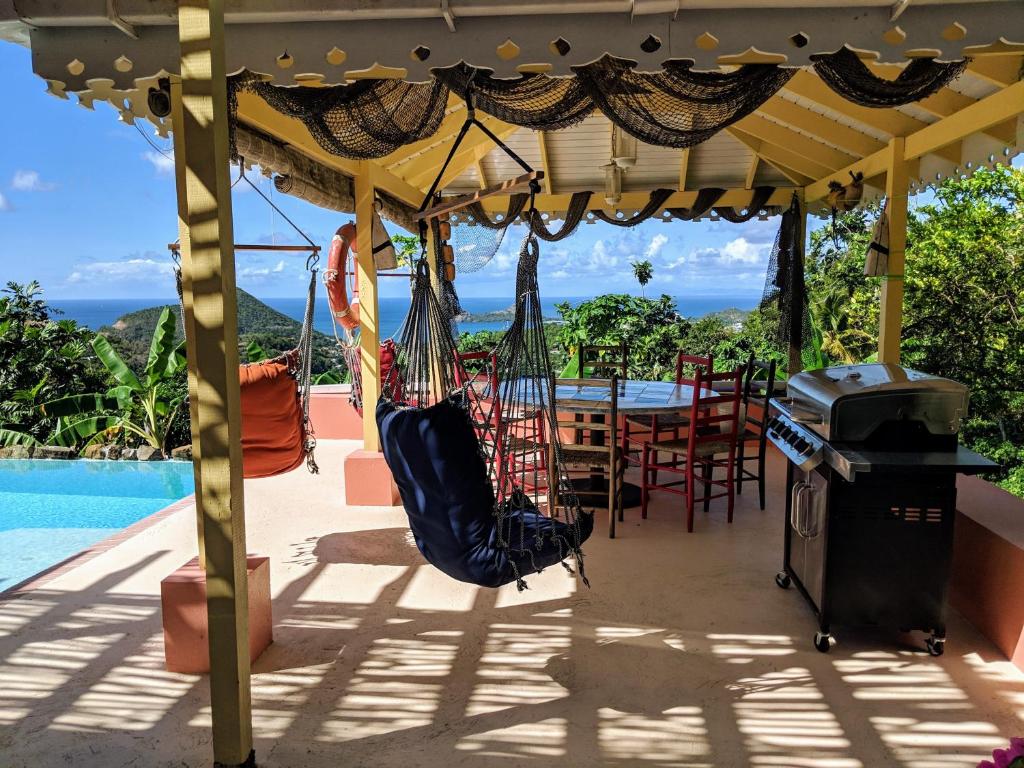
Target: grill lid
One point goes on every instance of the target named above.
(852, 401)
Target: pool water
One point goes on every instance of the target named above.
(50, 510)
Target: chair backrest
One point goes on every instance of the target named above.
(688, 365)
(599, 396)
(715, 410)
(604, 359)
(758, 387)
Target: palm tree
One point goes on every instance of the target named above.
(643, 271)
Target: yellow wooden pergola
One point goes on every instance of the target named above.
(798, 141)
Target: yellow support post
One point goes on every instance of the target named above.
(369, 333)
(897, 191)
(213, 351)
(188, 318)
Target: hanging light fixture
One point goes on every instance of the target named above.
(612, 183)
(623, 148)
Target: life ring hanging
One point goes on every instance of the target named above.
(343, 249)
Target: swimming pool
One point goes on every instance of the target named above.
(50, 510)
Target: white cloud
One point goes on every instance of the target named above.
(4, 203)
(742, 251)
(654, 247)
(279, 267)
(29, 181)
(120, 271)
(258, 273)
(559, 274)
(164, 164)
(600, 259)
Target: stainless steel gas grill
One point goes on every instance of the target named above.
(871, 494)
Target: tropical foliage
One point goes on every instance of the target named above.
(643, 271)
(41, 358)
(143, 406)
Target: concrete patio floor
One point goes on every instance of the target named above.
(683, 653)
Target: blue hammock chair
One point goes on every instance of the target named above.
(468, 506)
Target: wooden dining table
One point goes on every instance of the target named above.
(635, 398)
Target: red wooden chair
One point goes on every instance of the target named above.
(712, 431)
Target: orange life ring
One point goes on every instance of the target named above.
(343, 247)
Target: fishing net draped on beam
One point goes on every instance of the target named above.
(475, 457)
(477, 237)
(676, 107)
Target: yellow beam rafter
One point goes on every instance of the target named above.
(481, 174)
(684, 163)
(998, 108)
(947, 102)
(847, 139)
(790, 164)
(752, 171)
(998, 70)
(422, 171)
(890, 121)
(254, 111)
(545, 162)
(773, 133)
(637, 200)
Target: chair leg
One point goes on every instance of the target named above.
(612, 493)
(690, 482)
(730, 486)
(706, 471)
(645, 456)
(760, 477)
(739, 466)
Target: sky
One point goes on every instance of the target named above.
(87, 207)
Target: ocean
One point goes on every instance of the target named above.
(96, 313)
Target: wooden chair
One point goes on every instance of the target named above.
(712, 431)
(639, 430)
(602, 456)
(602, 360)
(522, 453)
(758, 389)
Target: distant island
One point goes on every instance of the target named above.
(732, 317)
(270, 329)
(506, 315)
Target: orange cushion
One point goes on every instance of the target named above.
(272, 430)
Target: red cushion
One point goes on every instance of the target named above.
(272, 425)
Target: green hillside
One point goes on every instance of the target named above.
(257, 322)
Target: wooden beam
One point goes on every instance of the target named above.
(481, 173)
(751, 171)
(450, 125)
(998, 70)
(992, 110)
(772, 133)
(774, 153)
(796, 342)
(684, 164)
(946, 102)
(871, 166)
(188, 318)
(890, 121)
(847, 139)
(897, 192)
(254, 111)
(545, 162)
(457, 203)
(635, 200)
(209, 263)
(421, 169)
(369, 322)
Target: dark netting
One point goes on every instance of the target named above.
(574, 213)
(785, 295)
(847, 75)
(677, 107)
(363, 119)
(654, 204)
(475, 242)
(539, 102)
(757, 203)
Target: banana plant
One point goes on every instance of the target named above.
(97, 415)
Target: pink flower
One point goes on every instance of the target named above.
(1007, 758)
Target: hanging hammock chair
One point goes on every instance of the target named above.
(277, 434)
(468, 505)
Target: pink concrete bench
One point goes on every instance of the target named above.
(332, 415)
(987, 583)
